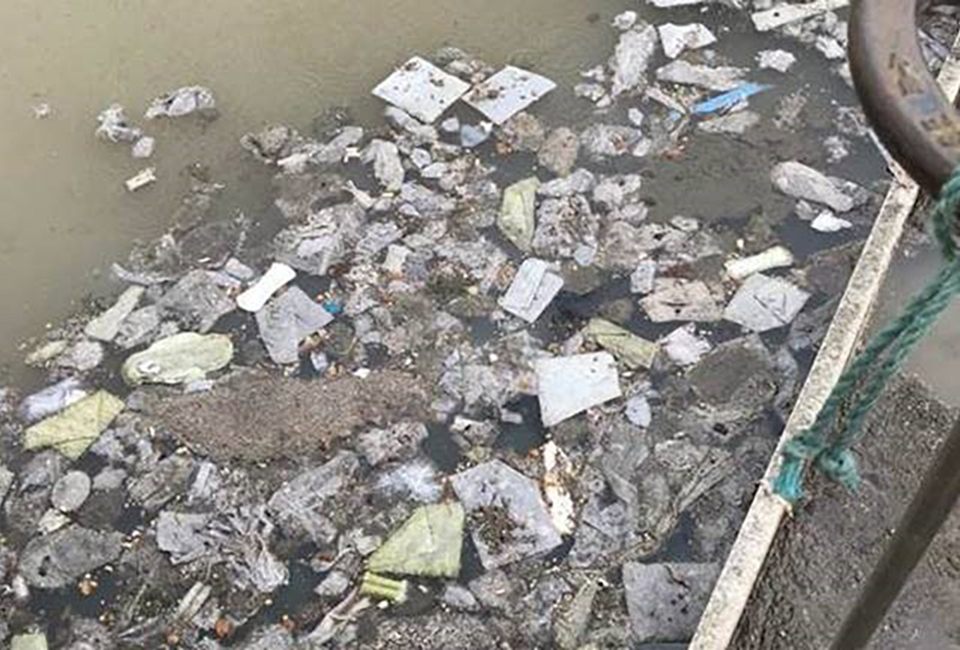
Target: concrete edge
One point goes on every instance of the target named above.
(745, 562)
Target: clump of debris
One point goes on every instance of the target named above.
(478, 388)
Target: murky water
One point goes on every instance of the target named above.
(934, 358)
(66, 214)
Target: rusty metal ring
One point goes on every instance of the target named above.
(916, 122)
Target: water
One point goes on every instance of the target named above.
(66, 214)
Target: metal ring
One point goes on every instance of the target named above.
(911, 115)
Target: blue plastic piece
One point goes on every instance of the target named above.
(728, 99)
(333, 307)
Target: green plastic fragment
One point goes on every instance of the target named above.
(76, 427)
(428, 544)
(29, 642)
(517, 219)
(623, 344)
(177, 359)
(384, 588)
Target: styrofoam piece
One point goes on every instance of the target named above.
(507, 93)
(276, 277)
(144, 178)
(421, 89)
(678, 38)
(772, 258)
(785, 14)
(533, 288)
(568, 386)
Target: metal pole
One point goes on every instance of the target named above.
(924, 517)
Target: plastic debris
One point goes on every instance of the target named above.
(738, 123)
(685, 73)
(428, 544)
(182, 101)
(178, 359)
(784, 14)
(113, 126)
(763, 303)
(641, 280)
(58, 559)
(557, 476)
(675, 299)
(678, 38)
(51, 399)
(387, 166)
(143, 148)
(779, 60)
(421, 89)
(517, 218)
(568, 386)
(508, 518)
(288, 319)
(29, 642)
(106, 326)
(383, 588)
(632, 58)
(801, 182)
(533, 289)
(299, 505)
(276, 277)
(638, 411)
(625, 21)
(70, 492)
(827, 221)
(574, 620)
(729, 99)
(772, 258)
(76, 427)
(626, 346)
(398, 442)
(507, 93)
(665, 601)
(41, 110)
(141, 179)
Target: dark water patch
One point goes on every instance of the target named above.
(526, 436)
(441, 448)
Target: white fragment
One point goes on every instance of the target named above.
(772, 258)
(276, 277)
(532, 290)
(625, 21)
(663, 4)
(641, 280)
(678, 38)
(764, 303)
(720, 79)
(143, 148)
(568, 386)
(507, 93)
(42, 110)
(638, 411)
(830, 48)
(396, 258)
(683, 346)
(826, 221)
(801, 182)
(635, 115)
(106, 326)
(632, 57)
(182, 101)
(557, 475)
(144, 178)
(739, 122)
(779, 60)
(421, 89)
(784, 14)
(674, 299)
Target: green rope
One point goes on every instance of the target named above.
(840, 422)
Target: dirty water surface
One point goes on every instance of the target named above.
(492, 363)
(66, 213)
